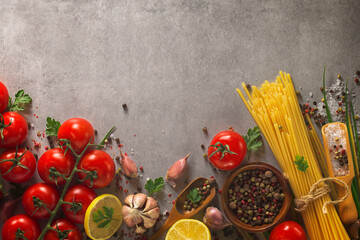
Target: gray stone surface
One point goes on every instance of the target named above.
(176, 65)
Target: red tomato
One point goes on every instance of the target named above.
(232, 145)
(78, 131)
(4, 97)
(18, 174)
(20, 224)
(82, 196)
(63, 224)
(55, 159)
(102, 163)
(288, 230)
(46, 193)
(14, 134)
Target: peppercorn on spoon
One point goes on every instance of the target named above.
(340, 165)
(177, 212)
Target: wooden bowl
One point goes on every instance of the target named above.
(234, 219)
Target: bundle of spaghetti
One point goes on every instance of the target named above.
(275, 109)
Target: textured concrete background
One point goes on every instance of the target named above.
(176, 65)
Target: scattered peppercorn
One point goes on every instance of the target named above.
(205, 130)
(202, 146)
(124, 106)
(248, 85)
(358, 72)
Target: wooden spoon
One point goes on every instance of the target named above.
(334, 134)
(177, 212)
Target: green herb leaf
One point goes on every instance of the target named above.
(301, 163)
(103, 217)
(20, 99)
(194, 195)
(152, 186)
(52, 127)
(252, 139)
(328, 113)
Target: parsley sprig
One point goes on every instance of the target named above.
(301, 163)
(154, 186)
(52, 127)
(252, 139)
(194, 195)
(20, 99)
(104, 217)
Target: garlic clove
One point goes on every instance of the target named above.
(214, 219)
(128, 166)
(140, 230)
(139, 200)
(132, 216)
(153, 213)
(176, 171)
(150, 204)
(148, 222)
(129, 200)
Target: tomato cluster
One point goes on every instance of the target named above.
(94, 168)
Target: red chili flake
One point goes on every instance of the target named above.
(141, 168)
(260, 210)
(220, 191)
(127, 182)
(34, 114)
(258, 217)
(356, 80)
(126, 191)
(43, 134)
(134, 135)
(306, 104)
(212, 178)
(111, 147)
(120, 145)
(46, 147)
(169, 194)
(167, 213)
(307, 110)
(343, 152)
(37, 116)
(38, 134)
(254, 188)
(173, 201)
(242, 201)
(340, 103)
(120, 188)
(275, 201)
(120, 178)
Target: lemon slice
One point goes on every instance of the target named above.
(103, 217)
(188, 229)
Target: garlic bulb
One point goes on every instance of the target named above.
(140, 211)
(214, 219)
(128, 166)
(176, 171)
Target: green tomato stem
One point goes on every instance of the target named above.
(106, 137)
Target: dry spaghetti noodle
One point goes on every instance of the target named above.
(275, 109)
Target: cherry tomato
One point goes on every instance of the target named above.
(24, 166)
(63, 225)
(14, 133)
(288, 230)
(55, 159)
(20, 224)
(44, 192)
(4, 97)
(229, 148)
(78, 131)
(82, 196)
(102, 163)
